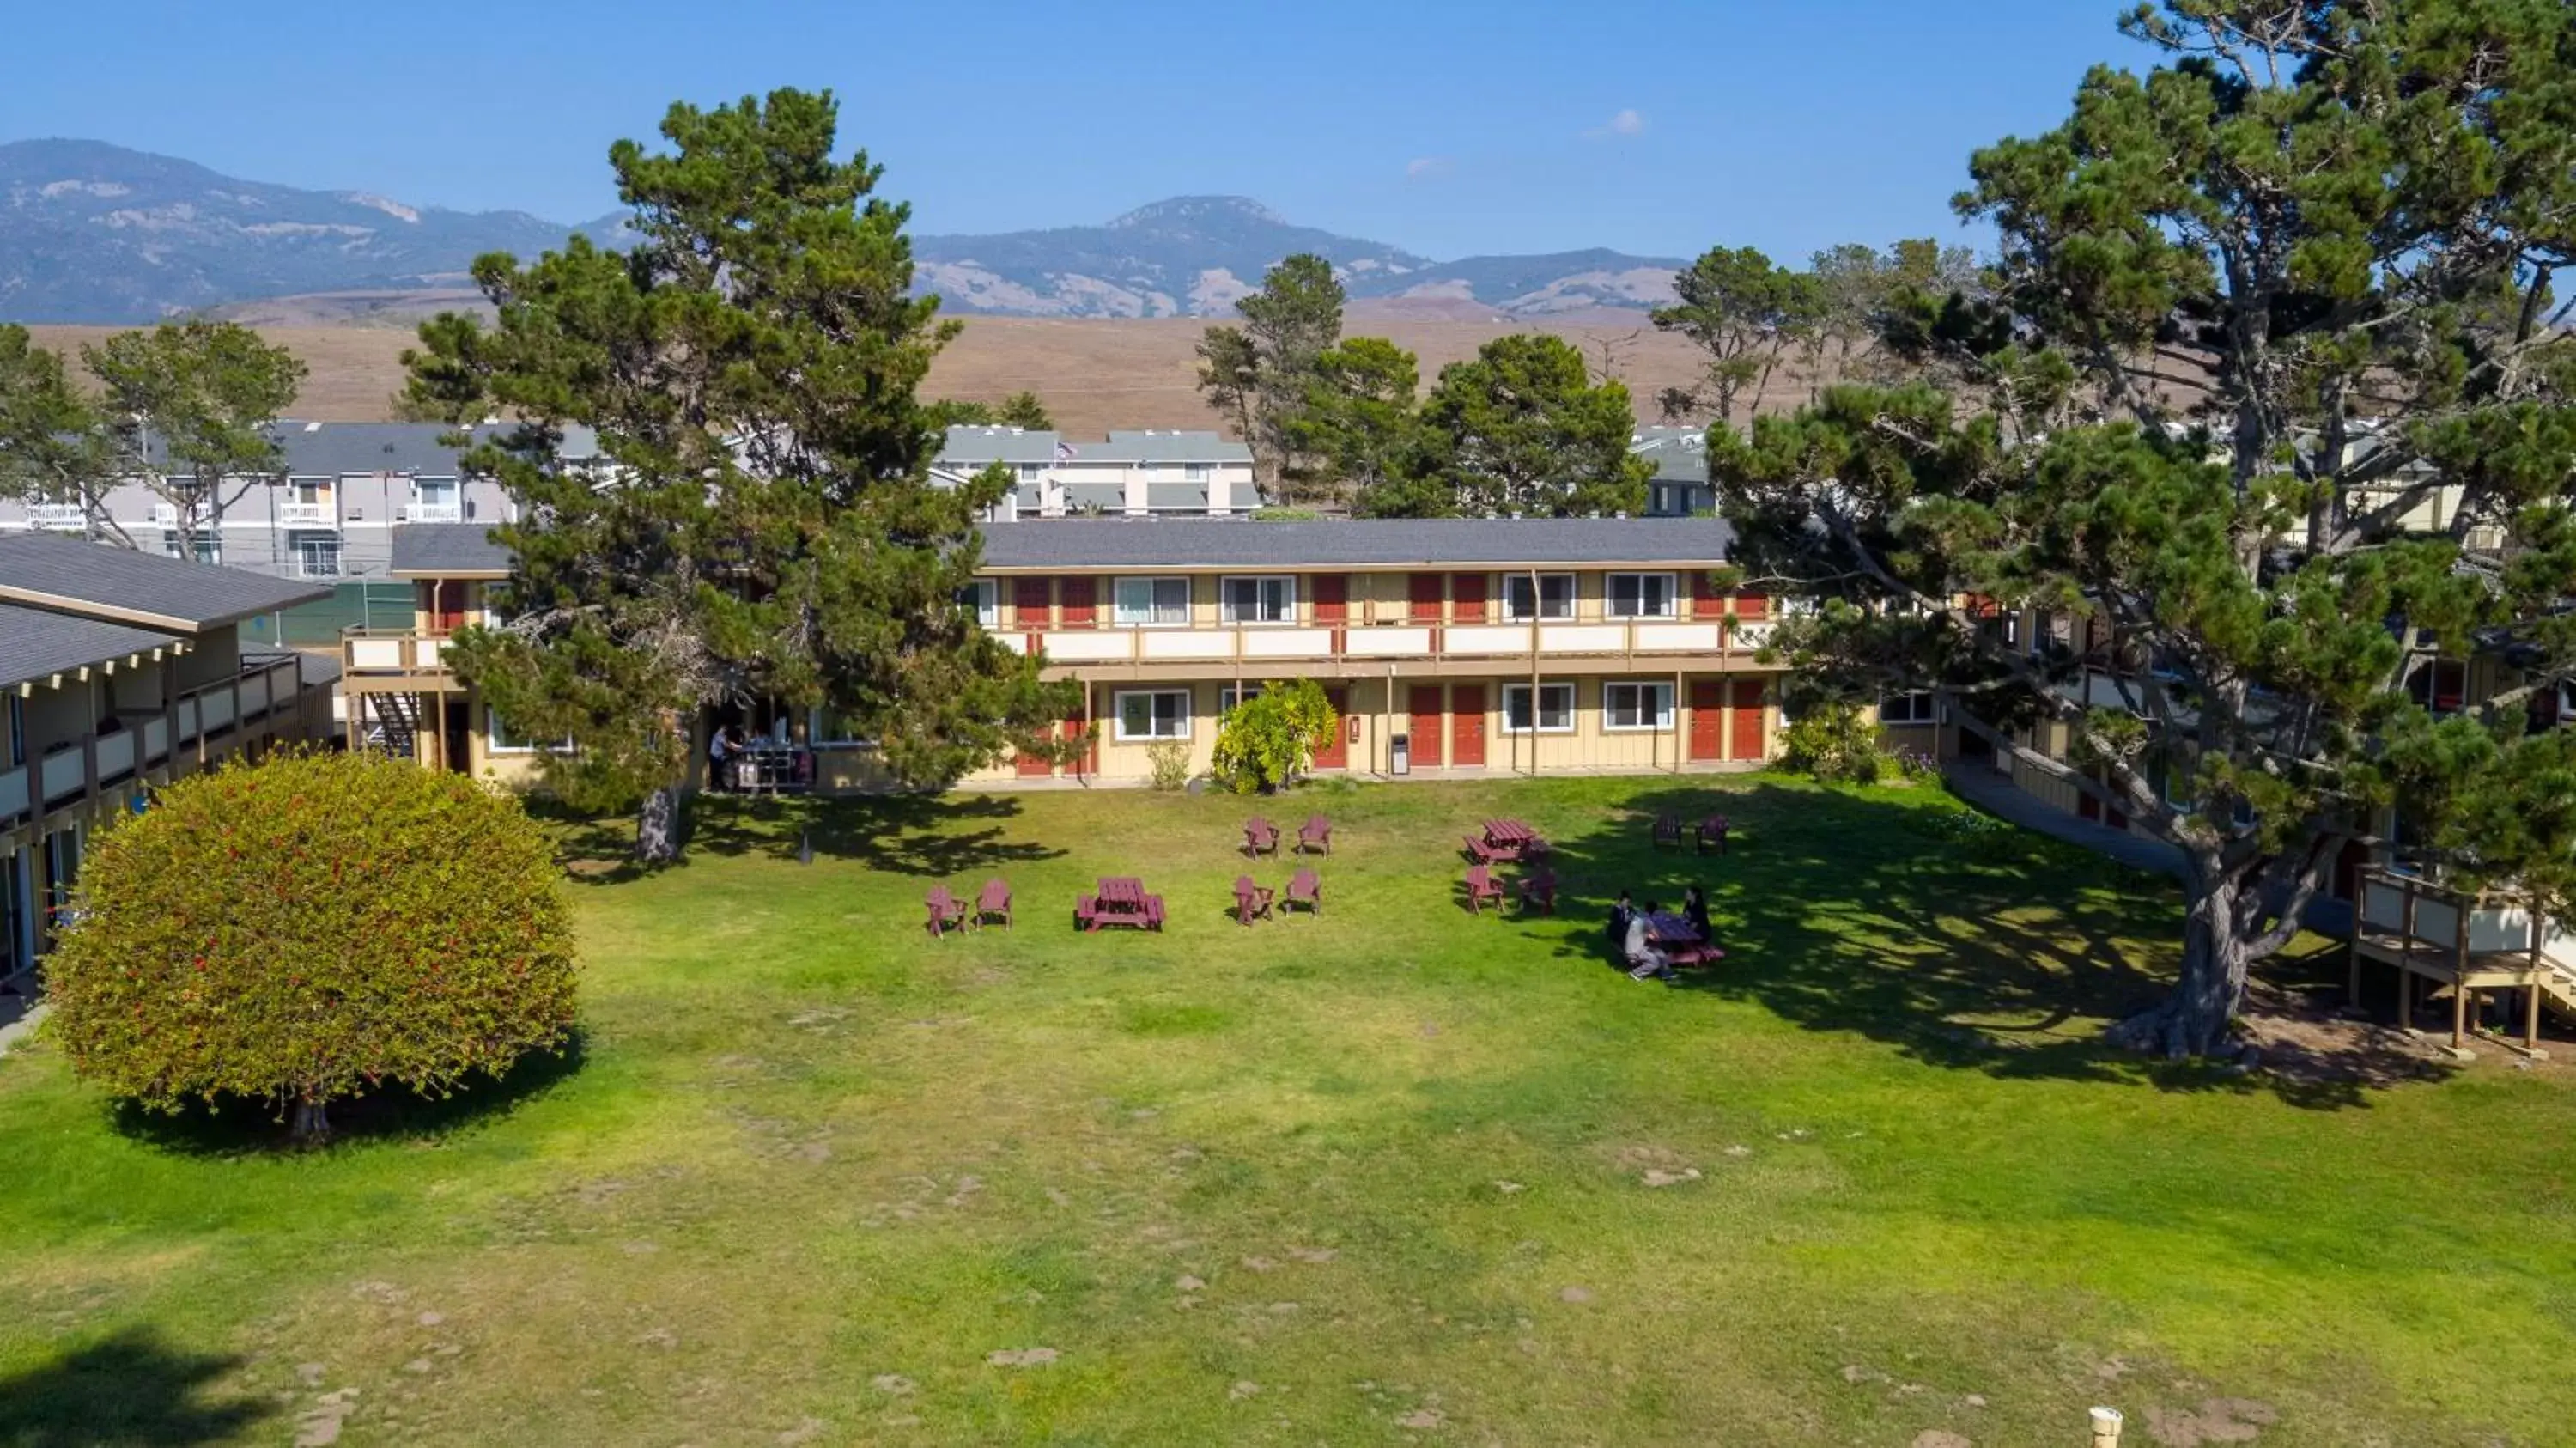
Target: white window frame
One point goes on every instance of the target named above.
(1546, 693)
(309, 544)
(987, 596)
(1610, 596)
(1513, 612)
(1227, 697)
(1262, 583)
(492, 739)
(1655, 720)
(1195, 472)
(209, 544)
(1915, 707)
(1154, 582)
(1182, 724)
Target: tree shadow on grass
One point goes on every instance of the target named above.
(243, 1126)
(932, 836)
(1964, 946)
(130, 1389)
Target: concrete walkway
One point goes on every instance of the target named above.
(18, 1020)
(2003, 799)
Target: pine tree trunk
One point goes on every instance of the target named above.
(2195, 1019)
(657, 828)
(310, 1125)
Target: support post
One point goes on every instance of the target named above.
(2406, 963)
(2460, 970)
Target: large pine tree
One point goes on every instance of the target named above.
(761, 523)
(2272, 398)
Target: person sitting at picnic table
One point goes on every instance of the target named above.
(1644, 960)
(1695, 910)
(1620, 915)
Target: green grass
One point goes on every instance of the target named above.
(811, 1169)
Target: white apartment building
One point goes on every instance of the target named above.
(1146, 473)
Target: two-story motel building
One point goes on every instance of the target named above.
(1449, 647)
(120, 670)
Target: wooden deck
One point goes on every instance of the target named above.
(2463, 943)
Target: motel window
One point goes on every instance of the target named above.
(206, 547)
(1032, 472)
(1153, 714)
(1636, 706)
(1915, 708)
(984, 595)
(1229, 696)
(1138, 602)
(1554, 597)
(1194, 472)
(1555, 709)
(1258, 600)
(2439, 684)
(317, 555)
(505, 740)
(1641, 595)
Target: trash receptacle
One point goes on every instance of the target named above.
(1399, 754)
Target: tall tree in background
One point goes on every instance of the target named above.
(2341, 222)
(1020, 409)
(1362, 423)
(1853, 287)
(183, 410)
(1521, 431)
(1744, 312)
(1259, 375)
(764, 526)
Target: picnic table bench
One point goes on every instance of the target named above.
(1121, 901)
(1681, 944)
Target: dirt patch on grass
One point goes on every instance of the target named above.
(2302, 1043)
(2218, 1420)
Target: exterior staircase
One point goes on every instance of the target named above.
(397, 723)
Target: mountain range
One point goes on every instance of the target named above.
(91, 232)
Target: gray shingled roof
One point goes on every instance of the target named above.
(446, 550)
(1392, 543)
(338, 449)
(35, 644)
(972, 448)
(1680, 454)
(1158, 446)
(99, 580)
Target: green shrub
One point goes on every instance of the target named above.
(1269, 739)
(1834, 742)
(305, 928)
(1170, 761)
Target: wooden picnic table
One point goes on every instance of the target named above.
(1513, 839)
(1121, 901)
(1679, 941)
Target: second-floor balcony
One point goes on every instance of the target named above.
(307, 515)
(401, 655)
(447, 512)
(58, 517)
(71, 769)
(1658, 639)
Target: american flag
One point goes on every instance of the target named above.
(1063, 450)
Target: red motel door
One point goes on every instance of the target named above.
(1467, 597)
(1077, 602)
(1467, 725)
(1336, 752)
(1332, 599)
(1034, 766)
(1032, 599)
(1425, 704)
(1424, 595)
(1088, 762)
(1747, 740)
(1707, 719)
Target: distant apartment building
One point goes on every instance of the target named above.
(1680, 487)
(329, 514)
(1136, 474)
(119, 670)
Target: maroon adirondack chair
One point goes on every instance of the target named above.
(1480, 852)
(1307, 891)
(994, 901)
(1251, 902)
(1260, 837)
(947, 912)
(1316, 836)
(1668, 831)
(1538, 892)
(1481, 889)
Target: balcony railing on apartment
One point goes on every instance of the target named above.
(375, 652)
(75, 771)
(1268, 643)
(307, 515)
(61, 517)
(433, 512)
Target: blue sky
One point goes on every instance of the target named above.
(1441, 126)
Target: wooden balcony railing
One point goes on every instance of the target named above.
(1274, 643)
(80, 768)
(368, 652)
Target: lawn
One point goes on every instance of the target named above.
(1393, 1174)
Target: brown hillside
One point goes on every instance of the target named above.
(1095, 374)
